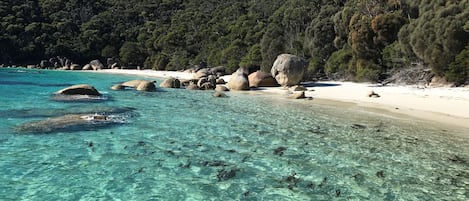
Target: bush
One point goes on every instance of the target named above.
(337, 66)
(458, 71)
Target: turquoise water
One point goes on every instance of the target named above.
(175, 144)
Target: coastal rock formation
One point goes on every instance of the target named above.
(146, 86)
(288, 69)
(139, 85)
(218, 71)
(298, 95)
(81, 89)
(239, 80)
(204, 72)
(96, 65)
(118, 87)
(171, 83)
(77, 122)
(219, 94)
(262, 79)
(87, 67)
(298, 88)
(133, 83)
(207, 83)
(192, 86)
(221, 88)
(75, 67)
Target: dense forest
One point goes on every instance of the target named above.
(361, 40)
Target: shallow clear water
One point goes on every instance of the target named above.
(188, 145)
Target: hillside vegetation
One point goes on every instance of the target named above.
(361, 40)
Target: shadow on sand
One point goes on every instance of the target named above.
(319, 84)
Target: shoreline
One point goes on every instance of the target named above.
(445, 105)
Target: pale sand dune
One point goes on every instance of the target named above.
(446, 105)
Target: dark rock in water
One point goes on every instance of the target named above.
(380, 174)
(279, 151)
(214, 163)
(226, 174)
(358, 126)
(55, 112)
(74, 122)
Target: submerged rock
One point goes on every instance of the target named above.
(75, 122)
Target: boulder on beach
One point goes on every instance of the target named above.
(87, 67)
(96, 65)
(192, 86)
(288, 69)
(81, 89)
(171, 83)
(298, 95)
(262, 79)
(239, 80)
(221, 88)
(75, 67)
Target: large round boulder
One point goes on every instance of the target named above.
(96, 65)
(81, 89)
(146, 86)
(262, 79)
(288, 69)
(171, 83)
(239, 80)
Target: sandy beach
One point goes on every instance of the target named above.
(441, 104)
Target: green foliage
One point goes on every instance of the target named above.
(131, 54)
(338, 64)
(353, 39)
(458, 71)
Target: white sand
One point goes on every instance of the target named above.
(442, 104)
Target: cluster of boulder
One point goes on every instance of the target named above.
(64, 63)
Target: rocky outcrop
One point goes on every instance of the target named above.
(87, 67)
(219, 94)
(298, 95)
(239, 80)
(221, 88)
(262, 79)
(146, 86)
(171, 83)
(192, 86)
(298, 88)
(218, 71)
(96, 65)
(118, 87)
(81, 89)
(140, 85)
(204, 72)
(77, 122)
(288, 69)
(75, 67)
